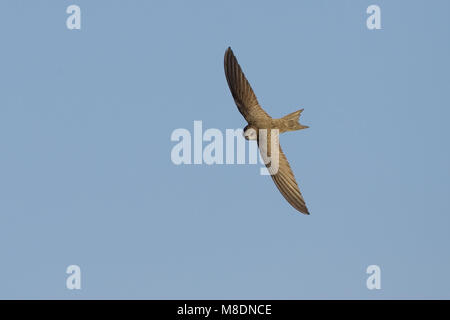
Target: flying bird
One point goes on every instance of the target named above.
(258, 119)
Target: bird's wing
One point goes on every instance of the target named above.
(282, 173)
(242, 91)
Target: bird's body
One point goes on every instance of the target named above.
(258, 120)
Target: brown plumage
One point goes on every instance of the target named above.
(257, 119)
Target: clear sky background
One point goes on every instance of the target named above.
(86, 176)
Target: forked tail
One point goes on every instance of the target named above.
(291, 121)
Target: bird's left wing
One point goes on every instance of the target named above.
(241, 90)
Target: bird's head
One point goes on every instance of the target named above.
(250, 132)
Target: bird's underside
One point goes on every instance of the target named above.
(257, 118)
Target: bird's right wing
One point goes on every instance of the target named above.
(281, 173)
(242, 91)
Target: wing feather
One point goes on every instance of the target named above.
(241, 90)
(282, 175)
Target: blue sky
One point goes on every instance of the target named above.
(86, 176)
